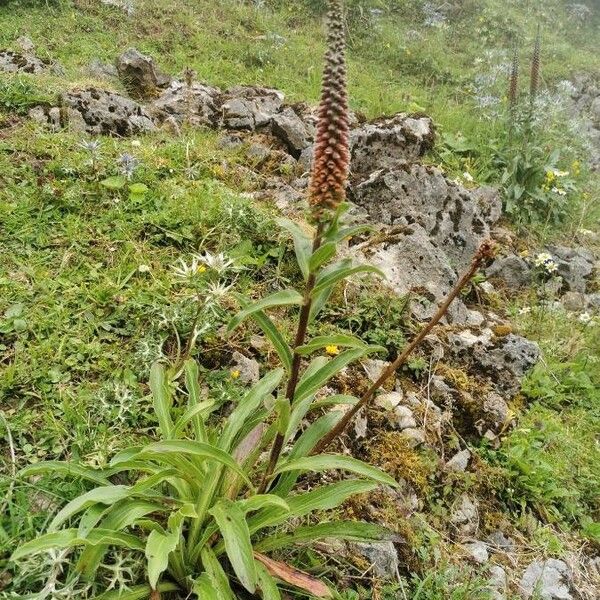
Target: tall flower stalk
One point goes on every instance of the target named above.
(327, 188)
(332, 154)
(513, 93)
(535, 67)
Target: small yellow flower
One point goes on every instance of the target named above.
(576, 168)
(332, 350)
(235, 374)
(201, 269)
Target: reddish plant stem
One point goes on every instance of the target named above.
(290, 391)
(483, 253)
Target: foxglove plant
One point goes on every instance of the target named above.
(201, 504)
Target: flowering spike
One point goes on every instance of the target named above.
(332, 153)
(535, 66)
(513, 88)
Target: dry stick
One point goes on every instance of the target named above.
(296, 361)
(484, 252)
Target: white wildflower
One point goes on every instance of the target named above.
(218, 262)
(144, 269)
(559, 191)
(525, 310)
(468, 177)
(218, 290)
(546, 262)
(584, 318)
(187, 271)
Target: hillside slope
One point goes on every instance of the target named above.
(497, 456)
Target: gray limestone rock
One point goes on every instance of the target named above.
(14, 62)
(514, 271)
(459, 462)
(437, 226)
(100, 112)
(465, 516)
(196, 104)
(249, 107)
(139, 74)
(575, 266)
(249, 368)
(382, 556)
(292, 131)
(385, 142)
(574, 301)
(547, 580)
(478, 551)
(403, 418)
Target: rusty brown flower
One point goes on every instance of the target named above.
(332, 154)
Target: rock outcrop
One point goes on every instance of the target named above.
(99, 112)
(139, 74)
(437, 227)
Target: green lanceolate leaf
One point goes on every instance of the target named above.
(108, 494)
(266, 583)
(318, 303)
(137, 592)
(192, 448)
(49, 541)
(68, 538)
(322, 341)
(90, 518)
(217, 576)
(321, 256)
(119, 516)
(330, 279)
(270, 330)
(126, 455)
(282, 298)
(310, 384)
(303, 446)
(261, 501)
(346, 530)
(232, 523)
(162, 398)
(158, 547)
(194, 413)
(247, 405)
(65, 469)
(284, 411)
(326, 462)
(326, 497)
(204, 589)
(302, 244)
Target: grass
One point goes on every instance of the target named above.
(89, 298)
